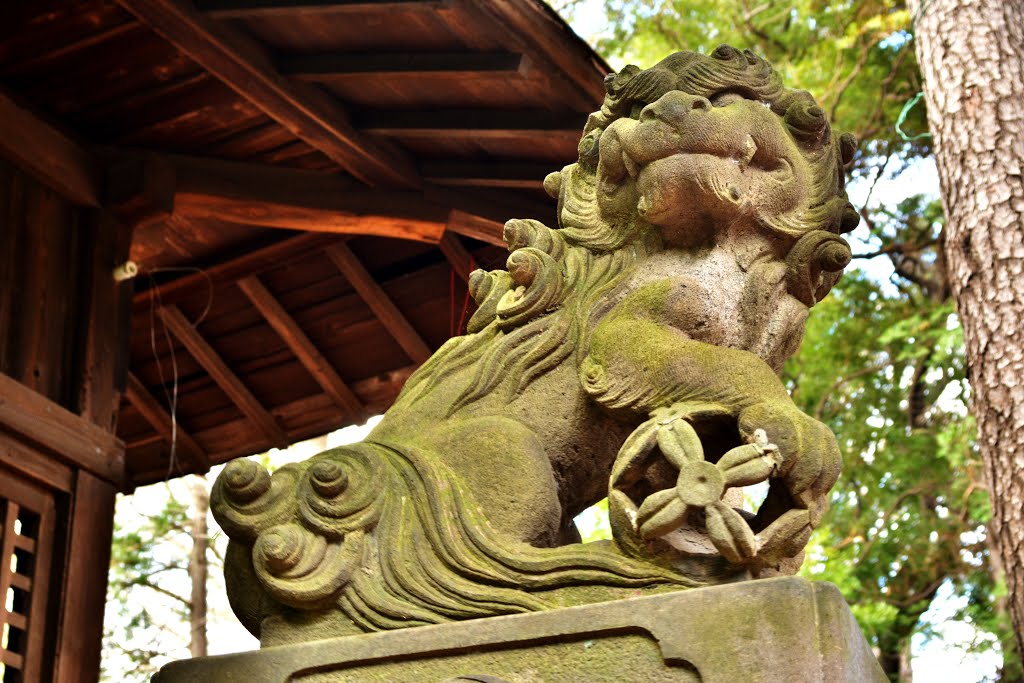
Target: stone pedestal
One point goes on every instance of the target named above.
(786, 629)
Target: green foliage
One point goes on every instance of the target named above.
(855, 57)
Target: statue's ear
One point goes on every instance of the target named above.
(553, 184)
(847, 148)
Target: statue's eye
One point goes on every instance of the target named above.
(724, 99)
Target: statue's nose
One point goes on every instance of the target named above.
(674, 105)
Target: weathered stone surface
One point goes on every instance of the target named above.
(630, 352)
(721, 634)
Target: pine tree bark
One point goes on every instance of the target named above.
(972, 56)
(198, 567)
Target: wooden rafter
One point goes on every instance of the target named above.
(250, 263)
(161, 421)
(534, 29)
(433, 65)
(48, 154)
(235, 9)
(379, 302)
(526, 124)
(242, 65)
(225, 378)
(458, 256)
(303, 348)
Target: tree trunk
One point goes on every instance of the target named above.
(197, 566)
(972, 57)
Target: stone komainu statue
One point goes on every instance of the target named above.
(632, 352)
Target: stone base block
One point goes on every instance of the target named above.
(786, 629)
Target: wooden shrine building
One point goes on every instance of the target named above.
(303, 185)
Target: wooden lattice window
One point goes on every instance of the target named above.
(26, 541)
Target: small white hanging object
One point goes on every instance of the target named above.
(126, 271)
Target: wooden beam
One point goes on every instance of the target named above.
(494, 174)
(66, 435)
(222, 374)
(49, 155)
(253, 194)
(240, 9)
(304, 418)
(82, 596)
(429, 65)
(526, 124)
(379, 302)
(255, 211)
(160, 420)
(458, 256)
(537, 30)
(303, 348)
(256, 261)
(477, 227)
(244, 66)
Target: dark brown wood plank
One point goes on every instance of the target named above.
(527, 124)
(418, 65)
(243, 65)
(235, 9)
(48, 154)
(379, 302)
(160, 420)
(303, 348)
(458, 256)
(85, 581)
(73, 439)
(225, 378)
(487, 174)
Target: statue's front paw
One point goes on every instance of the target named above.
(691, 518)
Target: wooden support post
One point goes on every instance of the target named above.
(160, 420)
(83, 595)
(379, 302)
(303, 348)
(222, 375)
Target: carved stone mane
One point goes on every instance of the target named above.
(631, 352)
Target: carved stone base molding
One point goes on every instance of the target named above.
(784, 629)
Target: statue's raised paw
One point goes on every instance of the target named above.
(692, 523)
